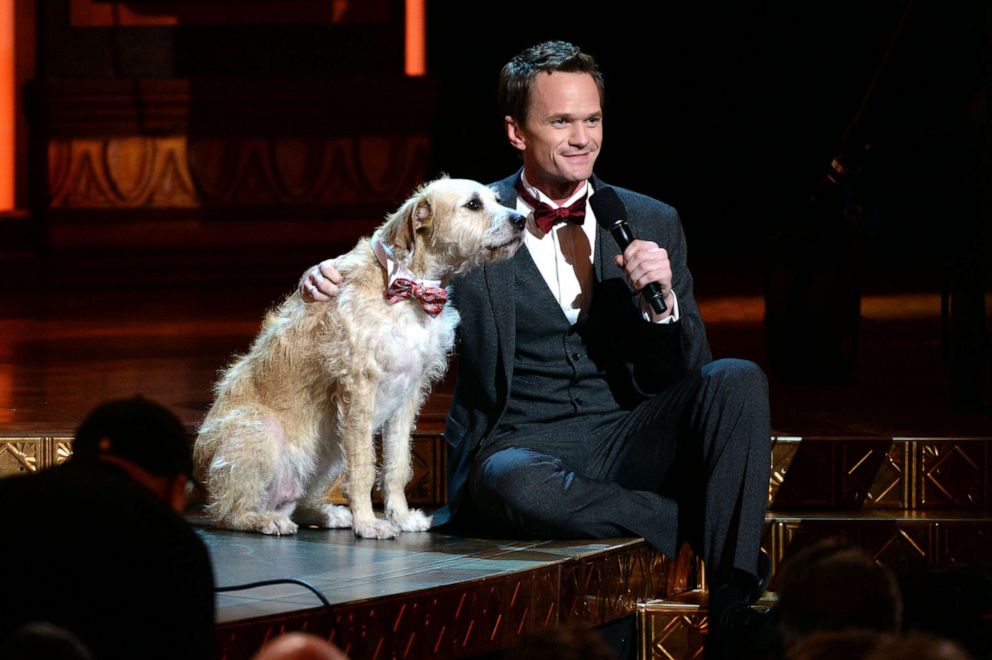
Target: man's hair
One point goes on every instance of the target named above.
(517, 77)
(137, 430)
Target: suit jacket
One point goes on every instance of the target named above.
(658, 355)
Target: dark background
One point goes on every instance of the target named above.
(734, 113)
(731, 112)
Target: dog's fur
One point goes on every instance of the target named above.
(303, 405)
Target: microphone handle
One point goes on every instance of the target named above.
(624, 235)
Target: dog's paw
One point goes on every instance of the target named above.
(375, 529)
(337, 517)
(269, 522)
(276, 524)
(413, 520)
(329, 516)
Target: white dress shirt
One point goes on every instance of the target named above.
(565, 255)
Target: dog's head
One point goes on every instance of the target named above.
(450, 225)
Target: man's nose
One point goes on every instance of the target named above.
(579, 136)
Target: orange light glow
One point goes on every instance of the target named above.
(7, 118)
(416, 38)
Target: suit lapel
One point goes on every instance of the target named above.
(606, 248)
(501, 286)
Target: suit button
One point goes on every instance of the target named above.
(576, 357)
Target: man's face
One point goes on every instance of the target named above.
(561, 137)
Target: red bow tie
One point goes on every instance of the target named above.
(547, 217)
(431, 298)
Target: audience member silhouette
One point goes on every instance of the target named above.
(103, 551)
(833, 585)
(43, 641)
(562, 643)
(299, 646)
(862, 644)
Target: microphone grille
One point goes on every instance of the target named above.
(607, 206)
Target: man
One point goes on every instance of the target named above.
(103, 551)
(579, 411)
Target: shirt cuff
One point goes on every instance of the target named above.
(646, 311)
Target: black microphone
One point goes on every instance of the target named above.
(611, 214)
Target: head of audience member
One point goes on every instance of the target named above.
(299, 646)
(41, 640)
(833, 585)
(562, 643)
(952, 602)
(861, 644)
(144, 439)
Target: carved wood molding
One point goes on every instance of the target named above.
(180, 172)
(231, 107)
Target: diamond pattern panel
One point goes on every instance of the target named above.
(861, 465)
(890, 487)
(906, 545)
(18, 457)
(782, 454)
(809, 480)
(872, 474)
(63, 450)
(672, 635)
(426, 488)
(952, 474)
(912, 543)
(964, 544)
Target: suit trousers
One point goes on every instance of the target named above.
(691, 463)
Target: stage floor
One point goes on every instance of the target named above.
(347, 569)
(427, 595)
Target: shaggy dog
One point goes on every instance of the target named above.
(303, 405)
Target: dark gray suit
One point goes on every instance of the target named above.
(682, 453)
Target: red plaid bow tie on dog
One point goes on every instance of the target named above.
(403, 284)
(547, 217)
(431, 298)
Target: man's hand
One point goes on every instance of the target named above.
(644, 262)
(320, 283)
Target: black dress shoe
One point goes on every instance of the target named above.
(764, 573)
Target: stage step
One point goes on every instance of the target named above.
(878, 473)
(676, 627)
(906, 540)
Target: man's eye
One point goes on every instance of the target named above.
(474, 204)
(557, 122)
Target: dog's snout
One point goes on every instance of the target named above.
(518, 221)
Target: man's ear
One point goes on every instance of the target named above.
(514, 133)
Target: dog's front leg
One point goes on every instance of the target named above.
(359, 450)
(397, 470)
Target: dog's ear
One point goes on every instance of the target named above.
(413, 217)
(422, 215)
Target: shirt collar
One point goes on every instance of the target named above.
(541, 197)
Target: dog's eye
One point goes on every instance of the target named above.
(474, 204)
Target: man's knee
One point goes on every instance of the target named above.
(513, 478)
(732, 377)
